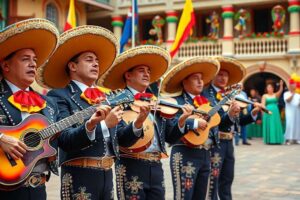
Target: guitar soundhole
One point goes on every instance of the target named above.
(32, 139)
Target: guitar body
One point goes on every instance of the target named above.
(13, 173)
(193, 140)
(144, 142)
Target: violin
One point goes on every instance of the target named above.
(243, 103)
(247, 101)
(167, 107)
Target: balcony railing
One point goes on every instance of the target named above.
(188, 50)
(262, 46)
(126, 3)
(103, 1)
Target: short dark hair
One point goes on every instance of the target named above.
(73, 59)
(9, 56)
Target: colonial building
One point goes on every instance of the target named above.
(268, 43)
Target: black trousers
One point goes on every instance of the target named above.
(86, 183)
(190, 169)
(222, 171)
(139, 179)
(25, 193)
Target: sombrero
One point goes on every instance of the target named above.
(208, 67)
(156, 58)
(40, 35)
(235, 69)
(95, 39)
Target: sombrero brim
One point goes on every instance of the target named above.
(172, 83)
(156, 58)
(81, 39)
(38, 34)
(235, 69)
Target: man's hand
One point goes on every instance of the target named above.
(234, 109)
(202, 124)
(187, 110)
(256, 109)
(114, 117)
(14, 147)
(144, 112)
(99, 115)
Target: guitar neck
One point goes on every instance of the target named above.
(69, 121)
(164, 103)
(217, 107)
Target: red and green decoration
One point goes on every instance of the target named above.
(171, 17)
(294, 6)
(117, 21)
(264, 35)
(227, 12)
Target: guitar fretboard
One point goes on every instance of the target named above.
(67, 122)
(217, 107)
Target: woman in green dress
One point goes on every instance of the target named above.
(272, 127)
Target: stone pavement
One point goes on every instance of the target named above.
(263, 172)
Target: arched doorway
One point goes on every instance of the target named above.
(258, 81)
(258, 75)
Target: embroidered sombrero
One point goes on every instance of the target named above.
(85, 38)
(156, 58)
(172, 82)
(40, 35)
(235, 69)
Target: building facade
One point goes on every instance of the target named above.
(268, 44)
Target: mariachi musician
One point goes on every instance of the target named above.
(222, 158)
(88, 149)
(25, 46)
(190, 162)
(139, 171)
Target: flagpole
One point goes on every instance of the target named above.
(133, 25)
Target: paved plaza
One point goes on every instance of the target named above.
(263, 172)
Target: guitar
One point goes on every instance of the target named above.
(199, 137)
(36, 132)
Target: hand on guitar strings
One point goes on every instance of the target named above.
(202, 124)
(114, 117)
(143, 114)
(187, 110)
(97, 117)
(12, 146)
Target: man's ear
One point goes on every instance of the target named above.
(4, 66)
(127, 75)
(72, 66)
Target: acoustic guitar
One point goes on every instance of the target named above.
(198, 137)
(36, 133)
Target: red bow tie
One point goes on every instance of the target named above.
(27, 101)
(139, 96)
(199, 100)
(93, 95)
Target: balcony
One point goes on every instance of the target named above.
(103, 1)
(188, 50)
(251, 48)
(260, 47)
(127, 3)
